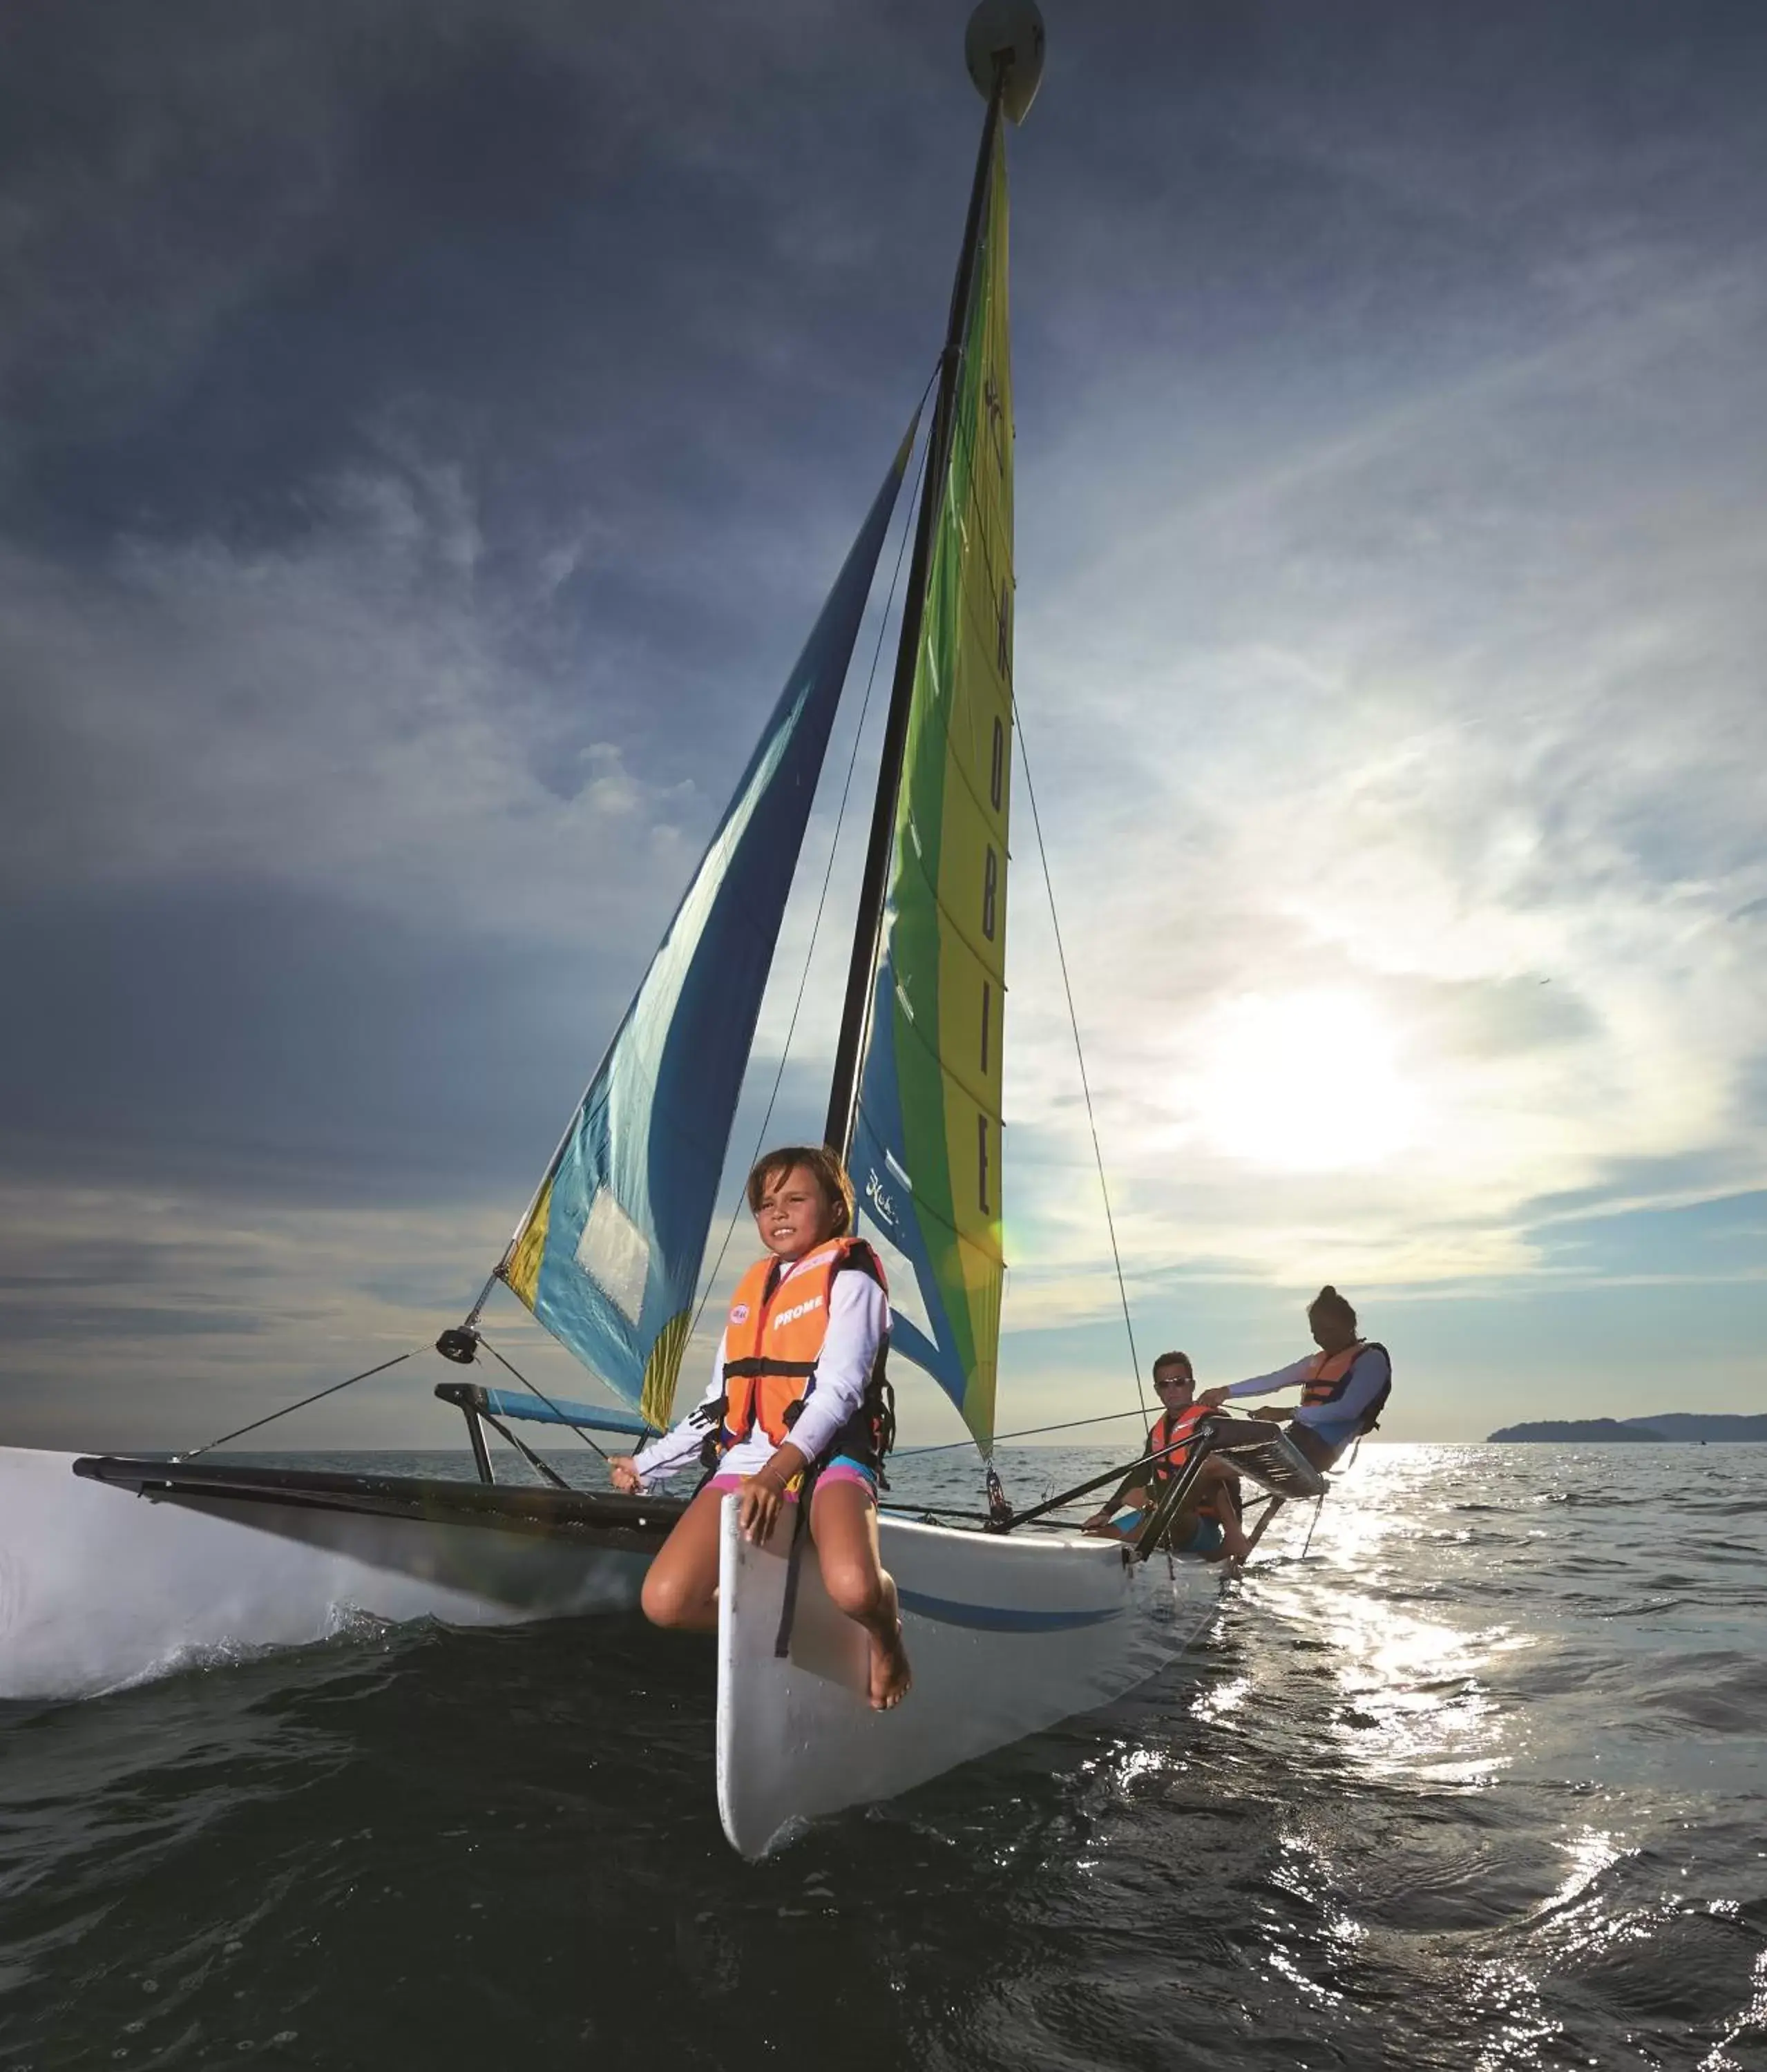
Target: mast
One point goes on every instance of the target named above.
(1004, 51)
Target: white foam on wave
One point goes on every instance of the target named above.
(189, 1657)
(99, 1589)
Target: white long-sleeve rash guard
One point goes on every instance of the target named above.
(1372, 1373)
(858, 1315)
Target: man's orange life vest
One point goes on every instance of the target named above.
(1168, 1429)
(1329, 1376)
(1171, 1428)
(774, 1337)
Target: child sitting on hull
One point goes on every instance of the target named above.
(1208, 1524)
(1344, 1386)
(795, 1397)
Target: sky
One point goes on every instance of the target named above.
(428, 431)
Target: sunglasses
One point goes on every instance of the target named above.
(1176, 1381)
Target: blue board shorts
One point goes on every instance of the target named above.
(1205, 1533)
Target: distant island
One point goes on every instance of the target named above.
(1669, 1427)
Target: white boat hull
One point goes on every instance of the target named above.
(1007, 1635)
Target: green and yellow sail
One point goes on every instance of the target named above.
(926, 1153)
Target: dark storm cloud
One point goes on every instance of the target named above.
(636, 275)
(523, 232)
(249, 1039)
(590, 265)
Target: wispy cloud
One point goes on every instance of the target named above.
(1445, 731)
(333, 714)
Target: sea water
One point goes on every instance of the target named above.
(1476, 1783)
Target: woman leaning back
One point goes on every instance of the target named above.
(1344, 1386)
(822, 1292)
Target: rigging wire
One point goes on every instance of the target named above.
(828, 874)
(543, 1396)
(1317, 1508)
(1074, 1023)
(288, 1409)
(1030, 1432)
(546, 1473)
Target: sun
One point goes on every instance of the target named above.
(1305, 1081)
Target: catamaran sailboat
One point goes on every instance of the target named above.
(1012, 1623)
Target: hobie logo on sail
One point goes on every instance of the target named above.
(877, 1201)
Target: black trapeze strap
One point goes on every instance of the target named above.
(794, 1562)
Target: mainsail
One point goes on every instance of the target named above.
(925, 1152)
(608, 1255)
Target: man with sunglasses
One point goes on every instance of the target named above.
(1213, 1527)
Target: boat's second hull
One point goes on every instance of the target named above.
(525, 1575)
(100, 1590)
(96, 1590)
(541, 1553)
(1007, 1636)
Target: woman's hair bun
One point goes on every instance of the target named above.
(1329, 1299)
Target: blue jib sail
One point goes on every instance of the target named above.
(608, 1256)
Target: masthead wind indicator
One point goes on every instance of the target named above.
(1008, 33)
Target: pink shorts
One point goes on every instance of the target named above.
(842, 1469)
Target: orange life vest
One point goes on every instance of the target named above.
(1171, 1426)
(1329, 1376)
(773, 1339)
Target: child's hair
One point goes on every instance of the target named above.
(1174, 1359)
(772, 1166)
(1328, 1301)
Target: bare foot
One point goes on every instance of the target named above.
(891, 1675)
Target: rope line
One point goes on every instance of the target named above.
(287, 1409)
(546, 1474)
(1030, 1432)
(1319, 1506)
(543, 1396)
(828, 874)
(1080, 1055)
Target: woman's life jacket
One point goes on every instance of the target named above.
(772, 1340)
(1328, 1379)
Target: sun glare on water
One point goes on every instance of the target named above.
(1303, 1082)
